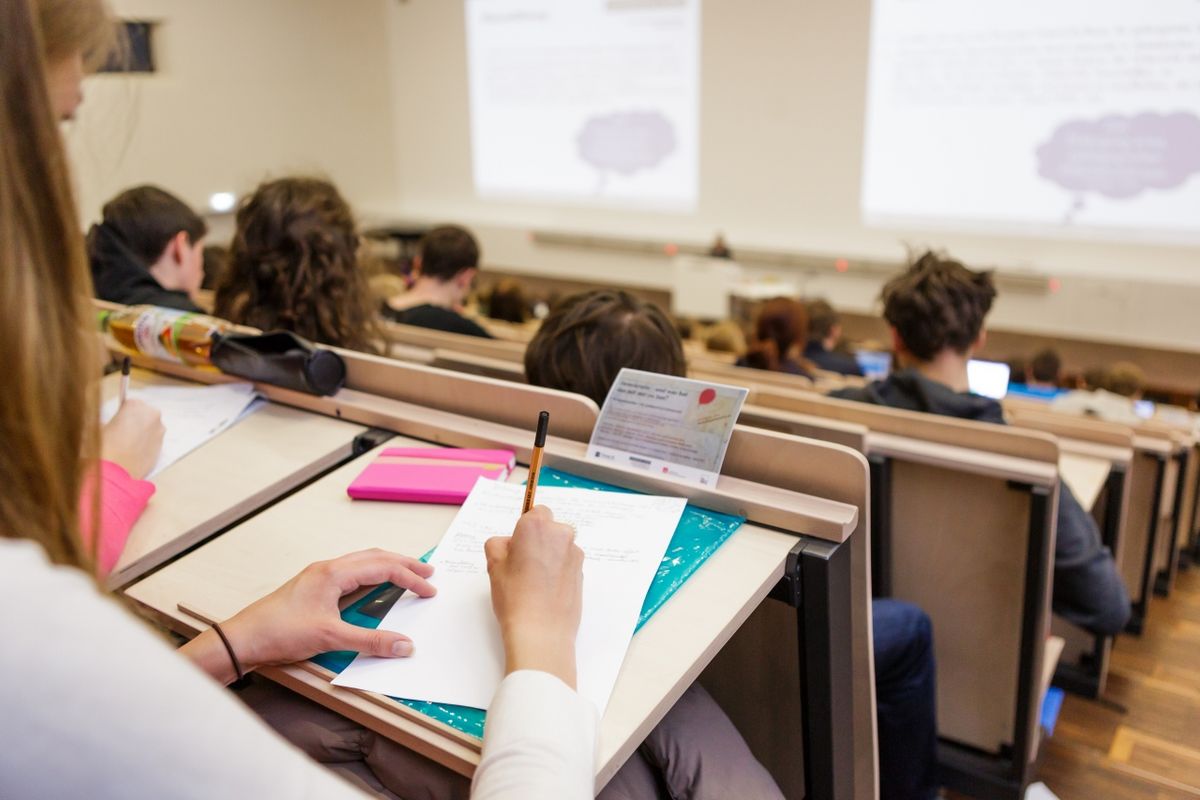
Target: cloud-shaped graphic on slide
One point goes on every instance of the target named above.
(1122, 156)
(626, 142)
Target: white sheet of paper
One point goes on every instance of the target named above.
(458, 656)
(191, 414)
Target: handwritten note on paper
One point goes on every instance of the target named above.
(458, 655)
(191, 414)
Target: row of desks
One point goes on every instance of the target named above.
(255, 505)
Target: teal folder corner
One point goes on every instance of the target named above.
(699, 534)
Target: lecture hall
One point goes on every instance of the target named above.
(619, 399)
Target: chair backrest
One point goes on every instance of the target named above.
(499, 368)
(572, 416)
(457, 342)
(964, 546)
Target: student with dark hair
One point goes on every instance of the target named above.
(580, 348)
(507, 302)
(293, 266)
(148, 248)
(589, 337)
(824, 333)
(936, 309)
(445, 266)
(780, 335)
(1018, 371)
(1045, 369)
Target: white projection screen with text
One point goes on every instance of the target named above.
(585, 101)
(1041, 117)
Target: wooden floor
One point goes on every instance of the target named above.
(1143, 739)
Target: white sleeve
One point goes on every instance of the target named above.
(95, 704)
(539, 743)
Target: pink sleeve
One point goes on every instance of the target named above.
(122, 501)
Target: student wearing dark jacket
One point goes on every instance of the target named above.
(148, 248)
(445, 267)
(824, 332)
(936, 310)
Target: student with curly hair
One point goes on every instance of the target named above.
(293, 265)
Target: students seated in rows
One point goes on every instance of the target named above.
(293, 266)
(148, 248)
(445, 266)
(1112, 395)
(936, 310)
(780, 335)
(580, 347)
(136, 717)
(824, 335)
(1045, 370)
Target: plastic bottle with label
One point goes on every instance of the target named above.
(164, 333)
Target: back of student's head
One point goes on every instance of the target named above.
(725, 337)
(1046, 366)
(1095, 378)
(822, 319)
(937, 303)
(1018, 370)
(507, 302)
(780, 324)
(293, 265)
(589, 337)
(48, 430)
(446, 251)
(1126, 379)
(147, 218)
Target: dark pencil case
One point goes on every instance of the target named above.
(282, 359)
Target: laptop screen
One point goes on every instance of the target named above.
(988, 378)
(875, 364)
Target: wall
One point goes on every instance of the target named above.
(245, 90)
(783, 89)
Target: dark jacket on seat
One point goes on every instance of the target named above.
(831, 360)
(120, 276)
(1088, 590)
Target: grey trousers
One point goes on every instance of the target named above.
(695, 753)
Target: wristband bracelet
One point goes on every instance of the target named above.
(237, 666)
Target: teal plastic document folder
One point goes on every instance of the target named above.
(699, 533)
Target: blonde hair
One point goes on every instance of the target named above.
(47, 416)
(1125, 378)
(86, 27)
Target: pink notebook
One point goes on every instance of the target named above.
(429, 475)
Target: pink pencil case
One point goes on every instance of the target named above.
(429, 475)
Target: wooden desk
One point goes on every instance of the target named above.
(823, 740)
(237, 472)
(1085, 475)
(321, 522)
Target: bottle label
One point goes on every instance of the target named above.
(154, 333)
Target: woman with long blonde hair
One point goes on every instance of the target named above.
(94, 703)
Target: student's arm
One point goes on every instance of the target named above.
(1088, 590)
(123, 498)
(301, 618)
(97, 705)
(540, 738)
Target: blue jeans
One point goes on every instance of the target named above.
(905, 701)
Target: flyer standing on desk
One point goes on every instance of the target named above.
(668, 425)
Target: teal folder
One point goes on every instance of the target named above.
(699, 533)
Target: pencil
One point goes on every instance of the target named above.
(535, 461)
(124, 379)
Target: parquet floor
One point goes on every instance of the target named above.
(1142, 742)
